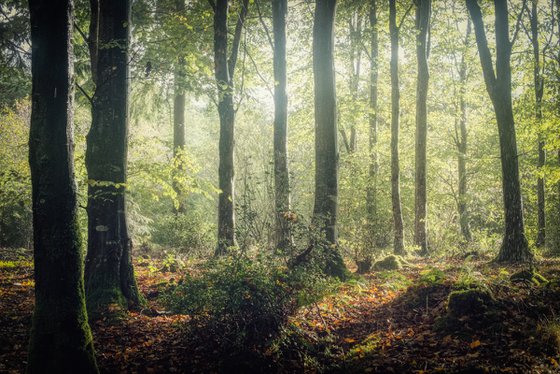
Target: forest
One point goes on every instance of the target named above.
(279, 186)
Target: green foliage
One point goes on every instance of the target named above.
(243, 303)
(188, 233)
(15, 182)
(432, 276)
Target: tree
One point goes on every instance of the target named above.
(423, 13)
(281, 171)
(109, 273)
(514, 247)
(61, 340)
(398, 239)
(373, 135)
(179, 117)
(326, 144)
(538, 79)
(461, 142)
(224, 70)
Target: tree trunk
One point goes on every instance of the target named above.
(61, 340)
(355, 64)
(423, 13)
(539, 91)
(179, 122)
(224, 70)
(109, 272)
(373, 228)
(462, 145)
(281, 172)
(398, 240)
(326, 148)
(514, 247)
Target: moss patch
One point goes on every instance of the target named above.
(470, 302)
(391, 262)
(528, 276)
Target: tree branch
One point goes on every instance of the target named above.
(265, 27)
(237, 37)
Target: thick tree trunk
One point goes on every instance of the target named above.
(423, 13)
(61, 340)
(326, 148)
(398, 240)
(539, 91)
(281, 172)
(514, 247)
(373, 136)
(224, 70)
(462, 145)
(109, 272)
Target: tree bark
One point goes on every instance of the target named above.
(514, 247)
(224, 69)
(179, 121)
(423, 14)
(539, 92)
(326, 147)
(398, 239)
(281, 171)
(61, 340)
(109, 273)
(462, 145)
(373, 136)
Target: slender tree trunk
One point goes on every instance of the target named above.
(462, 145)
(539, 92)
(61, 340)
(355, 64)
(514, 247)
(109, 274)
(373, 136)
(179, 121)
(398, 240)
(224, 69)
(423, 13)
(281, 172)
(326, 148)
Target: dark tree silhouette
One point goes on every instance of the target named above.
(109, 274)
(61, 340)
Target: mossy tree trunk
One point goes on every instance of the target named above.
(61, 340)
(423, 14)
(398, 232)
(224, 69)
(109, 274)
(281, 171)
(326, 144)
(514, 247)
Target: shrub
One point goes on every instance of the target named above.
(241, 304)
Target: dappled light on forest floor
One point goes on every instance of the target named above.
(389, 321)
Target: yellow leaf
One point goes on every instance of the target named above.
(349, 340)
(475, 344)
(553, 362)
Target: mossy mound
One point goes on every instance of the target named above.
(470, 302)
(391, 262)
(528, 276)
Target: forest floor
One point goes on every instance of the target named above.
(384, 322)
